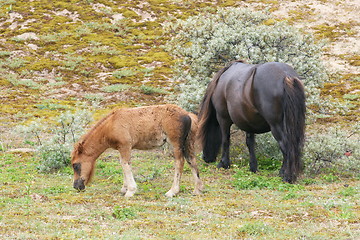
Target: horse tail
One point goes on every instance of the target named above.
(294, 126)
(209, 128)
(187, 148)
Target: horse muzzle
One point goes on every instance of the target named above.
(79, 184)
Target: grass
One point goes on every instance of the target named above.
(92, 59)
(39, 206)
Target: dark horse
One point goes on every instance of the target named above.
(257, 99)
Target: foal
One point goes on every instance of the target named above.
(141, 128)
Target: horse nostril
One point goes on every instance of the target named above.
(79, 184)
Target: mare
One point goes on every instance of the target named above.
(141, 128)
(257, 99)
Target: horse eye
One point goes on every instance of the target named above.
(77, 168)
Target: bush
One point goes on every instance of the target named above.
(54, 152)
(122, 213)
(206, 42)
(266, 148)
(333, 148)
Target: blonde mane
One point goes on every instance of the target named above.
(79, 147)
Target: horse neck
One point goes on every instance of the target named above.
(94, 144)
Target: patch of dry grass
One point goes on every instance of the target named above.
(38, 206)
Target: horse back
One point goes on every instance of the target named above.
(269, 89)
(145, 127)
(234, 98)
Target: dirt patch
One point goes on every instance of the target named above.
(337, 22)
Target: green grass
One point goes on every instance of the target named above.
(90, 59)
(38, 206)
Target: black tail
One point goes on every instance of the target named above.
(209, 132)
(186, 146)
(209, 129)
(294, 110)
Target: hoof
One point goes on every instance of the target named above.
(123, 190)
(222, 165)
(207, 160)
(170, 194)
(129, 194)
(197, 192)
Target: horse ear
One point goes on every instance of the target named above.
(80, 148)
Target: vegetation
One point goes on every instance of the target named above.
(207, 42)
(235, 204)
(64, 64)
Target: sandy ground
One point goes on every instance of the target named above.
(326, 13)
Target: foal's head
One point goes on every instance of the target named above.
(82, 165)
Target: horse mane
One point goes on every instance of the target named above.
(79, 147)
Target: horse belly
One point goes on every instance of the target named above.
(249, 121)
(152, 139)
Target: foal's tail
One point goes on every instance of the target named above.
(188, 137)
(294, 126)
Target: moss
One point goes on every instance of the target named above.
(43, 63)
(122, 61)
(333, 32)
(354, 60)
(130, 14)
(4, 83)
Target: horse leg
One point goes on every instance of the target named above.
(124, 187)
(179, 166)
(195, 172)
(277, 132)
(129, 186)
(250, 142)
(225, 136)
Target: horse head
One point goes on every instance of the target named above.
(83, 168)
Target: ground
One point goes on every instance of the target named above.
(56, 57)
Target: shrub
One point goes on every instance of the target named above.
(123, 73)
(149, 90)
(115, 88)
(122, 213)
(335, 148)
(54, 152)
(206, 42)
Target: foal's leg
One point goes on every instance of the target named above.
(250, 142)
(124, 187)
(195, 172)
(179, 166)
(225, 133)
(129, 186)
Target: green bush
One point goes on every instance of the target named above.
(205, 43)
(54, 150)
(122, 213)
(115, 88)
(334, 148)
(123, 73)
(149, 90)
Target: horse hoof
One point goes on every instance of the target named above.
(288, 179)
(222, 165)
(197, 192)
(129, 194)
(209, 160)
(170, 194)
(123, 191)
